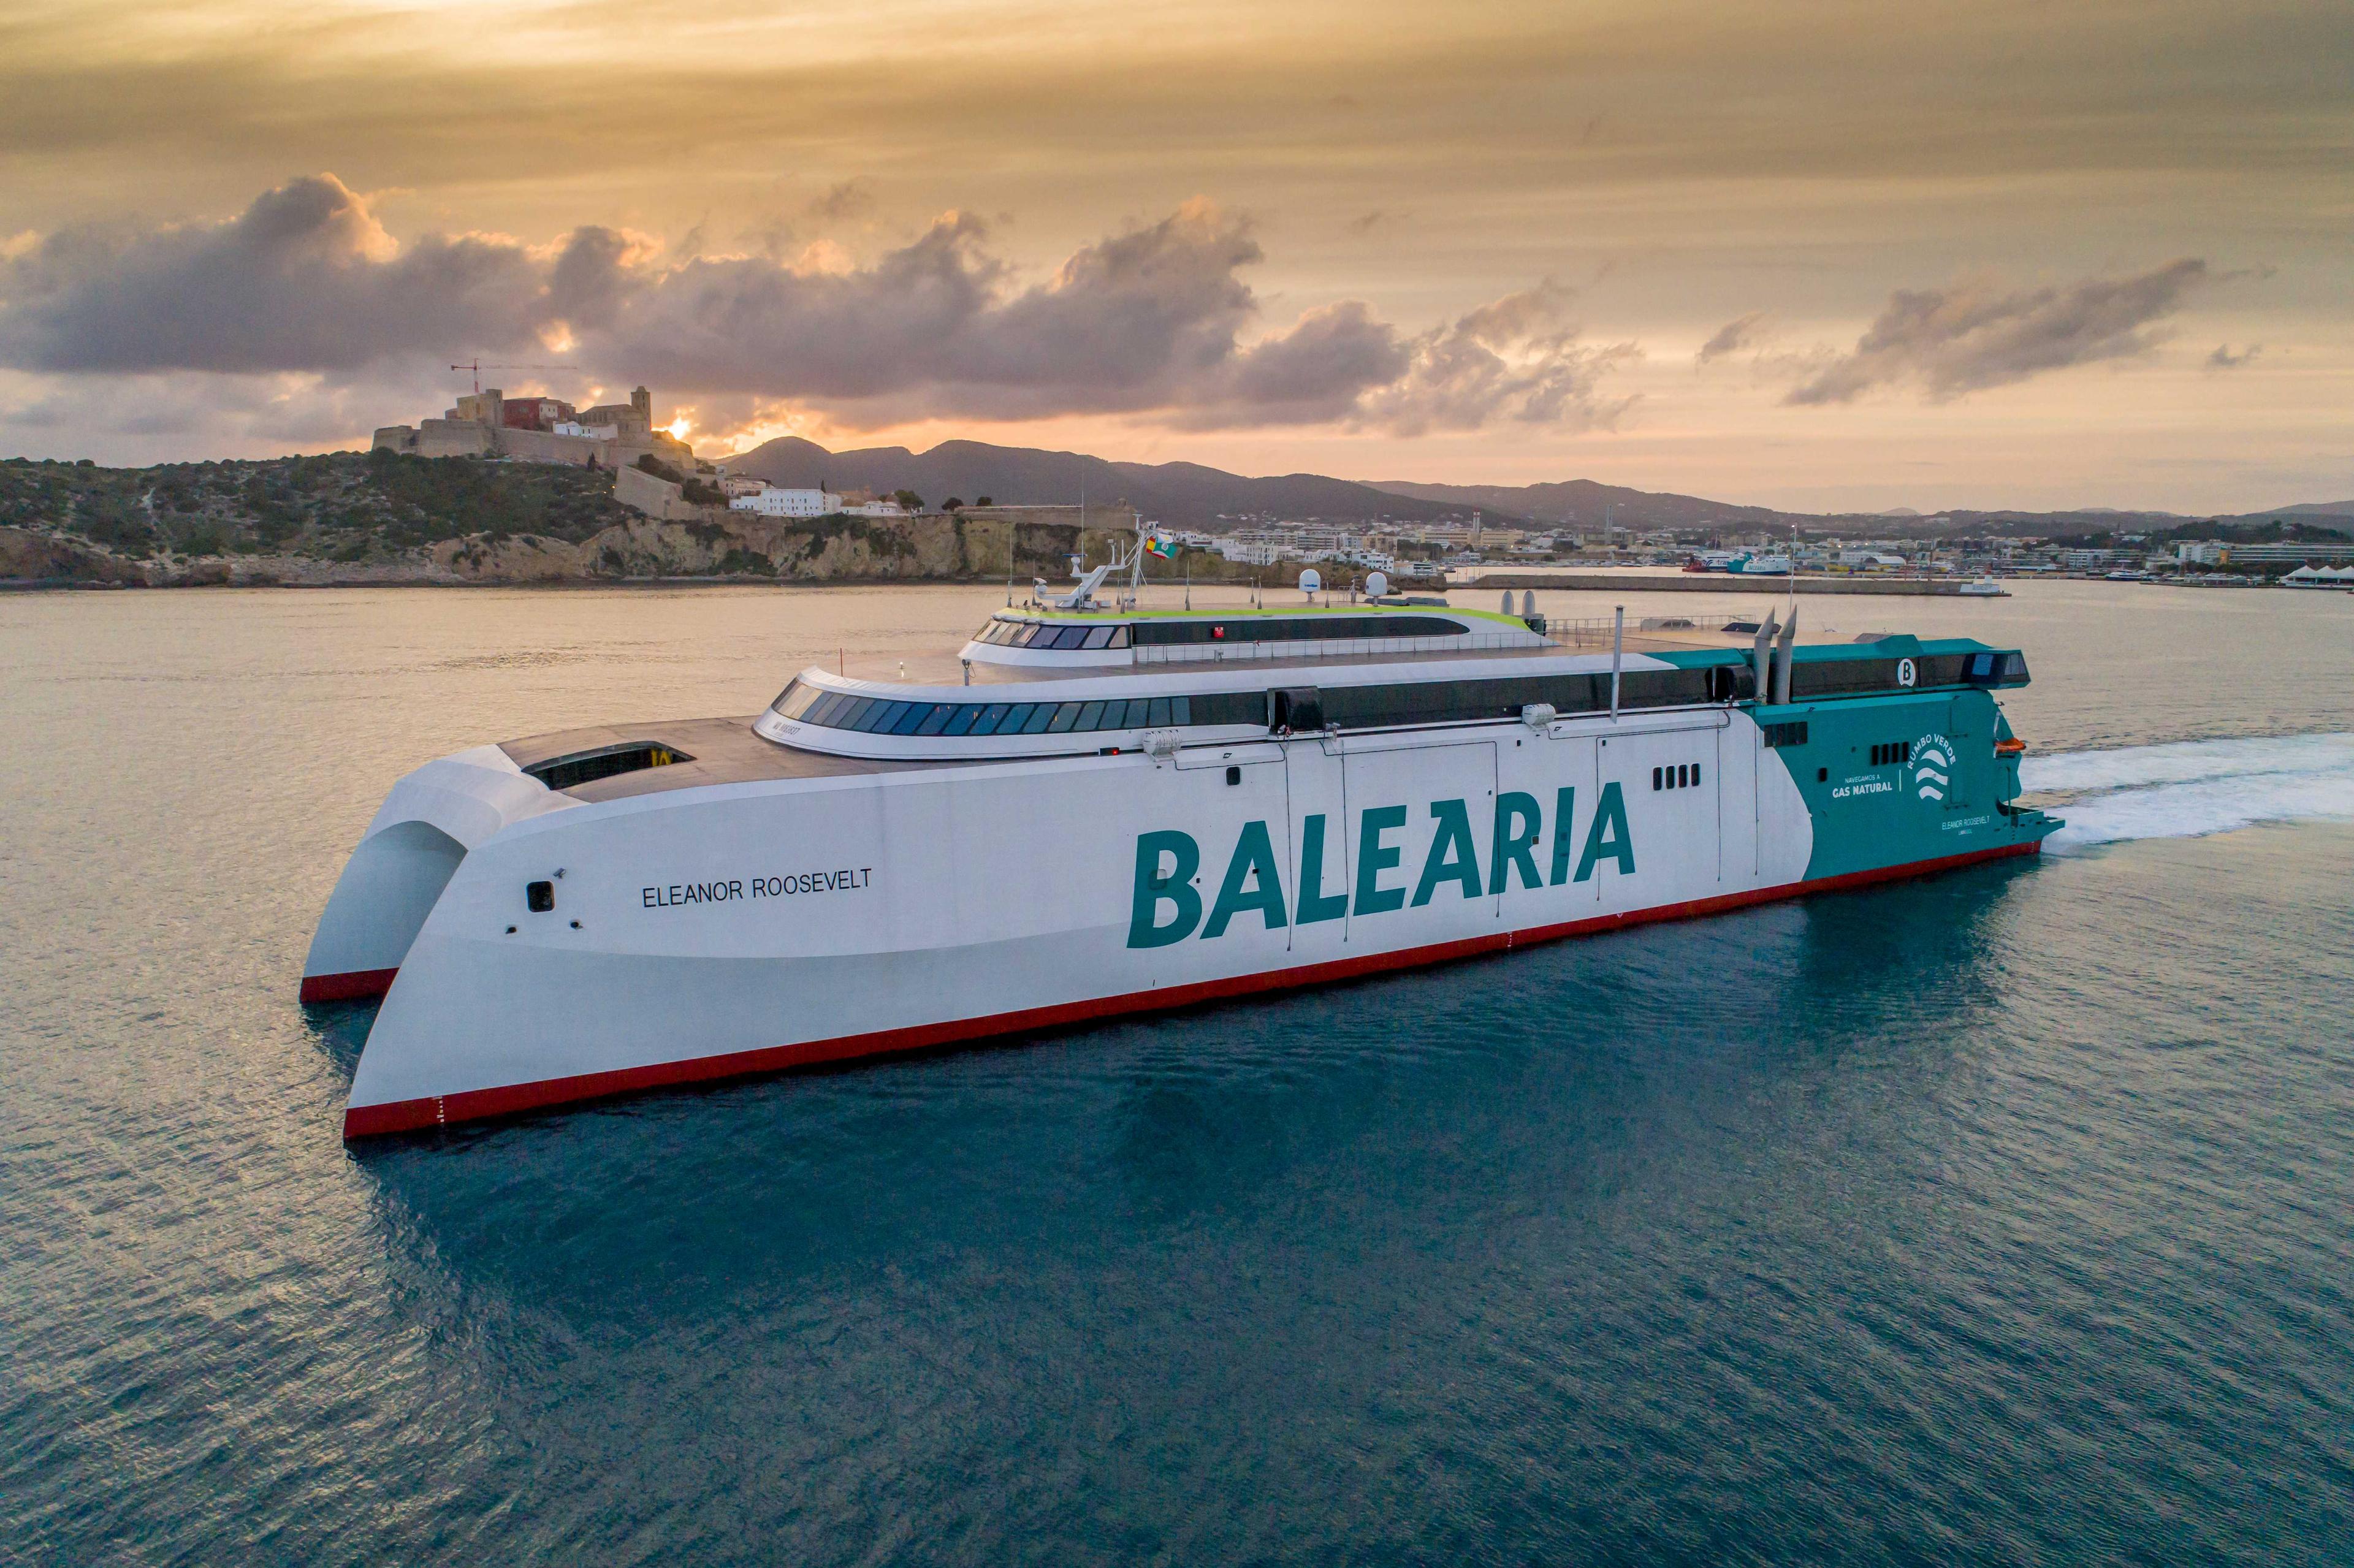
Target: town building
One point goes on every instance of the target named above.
(2285, 551)
(771, 500)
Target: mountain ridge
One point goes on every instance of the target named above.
(1191, 494)
(1179, 493)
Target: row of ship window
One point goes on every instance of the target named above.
(876, 715)
(1364, 707)
(1344, 707)
(1066, 636)
(1052, 635)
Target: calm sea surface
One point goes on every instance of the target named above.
(2007, 1217)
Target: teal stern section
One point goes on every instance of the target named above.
(1900, 780)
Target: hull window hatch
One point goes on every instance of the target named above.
(587, 767)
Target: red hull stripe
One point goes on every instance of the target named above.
(353, 986)
(507, 1099)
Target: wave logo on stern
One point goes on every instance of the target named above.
(1933, 766)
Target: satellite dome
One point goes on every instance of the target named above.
(1377, 585)
(1311, 581)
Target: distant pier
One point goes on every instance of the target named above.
(1718, 582)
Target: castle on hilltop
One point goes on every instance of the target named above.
(542, 429)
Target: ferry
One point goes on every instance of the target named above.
(1115, 809)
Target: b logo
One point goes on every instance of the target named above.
(1905, 672)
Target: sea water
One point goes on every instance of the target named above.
(2002, 1217)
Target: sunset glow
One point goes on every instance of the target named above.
(2003, 255)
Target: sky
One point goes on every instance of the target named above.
(1823, 255)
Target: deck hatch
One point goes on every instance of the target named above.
(605, 762)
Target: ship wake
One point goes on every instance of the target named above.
(2187, 788)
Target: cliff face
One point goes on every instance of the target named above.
(32, 556)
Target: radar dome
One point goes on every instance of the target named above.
(1311, 581)
(1377, 585)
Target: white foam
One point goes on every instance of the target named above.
(2188, 788)
(2181, 761)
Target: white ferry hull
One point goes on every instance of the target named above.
(746, 927)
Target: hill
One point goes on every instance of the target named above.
(1181, 494)
(1584, 502)
(375, 518)
(346, 508)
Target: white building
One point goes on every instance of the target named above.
(593, 432)
(769, 500)
(1251, 552)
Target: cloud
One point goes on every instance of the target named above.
(304, 279)
(135, 420)
(1732, 338)
(1973, 336)
(1155, 322)
(847, 200)
(1517, 359)
(2224, 359)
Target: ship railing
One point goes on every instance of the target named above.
(1586, 634)
(1332, 648)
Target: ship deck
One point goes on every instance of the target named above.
(1240, 656)
(722, 751)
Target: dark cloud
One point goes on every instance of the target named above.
(1317, 373)
(1732, 338)
(304, 279)
(1974, 335)
(848, 199)
(1155, 322)
(2224, 359)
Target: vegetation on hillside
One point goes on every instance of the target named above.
(337, 506)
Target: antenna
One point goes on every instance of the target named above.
(477, 366)
(1793, 571)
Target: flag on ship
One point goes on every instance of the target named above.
(1163, 546)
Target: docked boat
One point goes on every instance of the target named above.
(1116, 809)
(1982, 588)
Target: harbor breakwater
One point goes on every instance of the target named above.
(1715, 582)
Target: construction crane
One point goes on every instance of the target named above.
(477, 366)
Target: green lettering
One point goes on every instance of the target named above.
(1315, 904)
(1154, 889)
(1565, 805)
(1374, 857)
(1608, 836)
(1515, 844)
(1453, 857)
(1253, 854)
